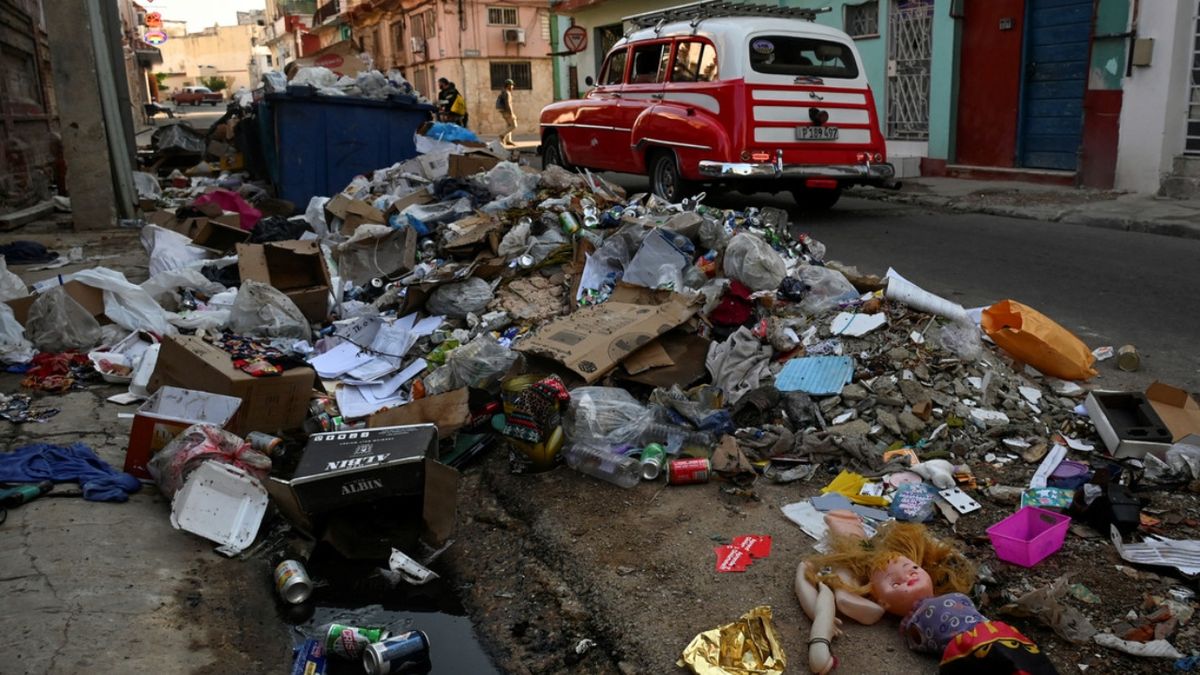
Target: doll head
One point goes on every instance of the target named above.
(901, 565)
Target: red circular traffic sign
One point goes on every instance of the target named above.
(575, 38)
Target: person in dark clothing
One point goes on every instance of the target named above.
(451, 103)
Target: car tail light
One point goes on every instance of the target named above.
(878, 157)
(760, 156)
(821, 184)
(863, 157)
(745, 155)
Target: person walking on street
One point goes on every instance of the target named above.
(452, 105)
(504, 103)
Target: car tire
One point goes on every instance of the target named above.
(816, 200)
(666, 181)
(552, 153)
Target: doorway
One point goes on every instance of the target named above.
(1055, 70)
(989, 82)
(910, 50)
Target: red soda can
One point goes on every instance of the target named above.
(688, 471)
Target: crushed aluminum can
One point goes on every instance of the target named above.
(310, 658)
(525, 261)
(292, 582)
(688, 471)
(349, 642)
(653, 456)
(406, 652)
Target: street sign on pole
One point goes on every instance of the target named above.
(575, 39)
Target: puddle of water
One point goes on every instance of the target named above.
(356, 595)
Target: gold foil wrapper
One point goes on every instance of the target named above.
(748, 646)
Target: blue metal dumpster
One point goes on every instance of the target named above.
(316, 144)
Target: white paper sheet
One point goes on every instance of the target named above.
(340, 360)
(856, 325)
(1182, 554)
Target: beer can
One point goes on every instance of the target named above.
(265, 443)
(310, 659)
(1128, 358)
(653, 456)
(349, 642)
(292, 581)
(688, 471)
(406, 652)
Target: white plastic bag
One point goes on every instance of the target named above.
(659, 263)
(11, 285)
(316, 76)
(57, 323)
(14, 348)
(125, 304)
(262, 310)
(163, 287)
(147, 185)
(753, 262)
(169, 250)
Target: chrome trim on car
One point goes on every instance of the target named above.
(585, 126)
(677, 144)
(882, 173)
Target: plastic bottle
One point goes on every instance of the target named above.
(673, 437)
(600, 463)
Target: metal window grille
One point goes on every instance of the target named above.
(910, 47)
(862, 20)
(545, 21)
(521, 73)
(502, 16)
(1192, 145)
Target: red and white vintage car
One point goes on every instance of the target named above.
(751, 97)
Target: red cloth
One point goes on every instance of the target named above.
(735, 308)
(231, 201)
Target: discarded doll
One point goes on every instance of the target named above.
(905, 571)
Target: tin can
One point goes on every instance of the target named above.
(688, 471)
(292, 582)
(407, 652)
(310, 659)
(349, 642)
(1128, 358)
(653, 457)
(265, 443)
(570, 225)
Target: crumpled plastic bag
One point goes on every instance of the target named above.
(749, 646)
(146, 185)
(11, 285)
(263, 310)
(827, 288)
(165, 286)
(127, 305)
(200, 443)
(1035, 339)
(314, 215)
(315, 76)
(605, 417)
(248, 216)
(57, 323)
(555, 177)
(507, 179)
(424, 218)
(739, 364)
(14, 348)
(473, 364)
(753, 262)
(963, 339)
(457, 300)
(516, 240)
(168, 249)
(660, 261)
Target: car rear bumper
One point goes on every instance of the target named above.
(851, 174)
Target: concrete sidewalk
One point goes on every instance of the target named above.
(1076, 206)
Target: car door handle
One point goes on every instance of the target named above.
(658, 97)
(616, 94)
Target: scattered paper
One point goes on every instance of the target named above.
(410, 570)
(808, 518)
(856, 325)
(1103, 353)
(1182, 554)
(1155, 648)
(1078, 445)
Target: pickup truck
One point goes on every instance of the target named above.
(197, 96)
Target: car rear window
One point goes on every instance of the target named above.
(800, 56)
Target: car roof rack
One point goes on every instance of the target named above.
(715, 9)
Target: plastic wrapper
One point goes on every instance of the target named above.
(660, 261)
(749, 646)
(827, 288)
(57, 323)
(962, 339)
(507, 179)
(605, 417)
(14, 348)
(457, 300)
(1046, 605)
(753, 262)
(474, 364)
(125, 304)
(200, 443)
(11, 285)
(265, 311)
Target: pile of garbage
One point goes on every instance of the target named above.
(458, 302)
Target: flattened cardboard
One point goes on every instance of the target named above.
(416, 197)
(687, 352)
(1178, 410)
(353, 213)
(652, 355)
(472, 231)
(295, 267)
(471, 163)
(592, 341)
(88, 297)
(343, 58)
(269, 404)
(448, 412)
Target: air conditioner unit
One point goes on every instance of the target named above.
(514, 36)
(418, 45)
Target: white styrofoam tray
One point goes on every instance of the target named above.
(222, 503)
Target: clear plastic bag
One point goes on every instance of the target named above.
(146, 185)
(457, 300)
(14, 348)
(57, 323)
(200, 443)
(714, 235)
(473, 364)
(507, 179)
(555, 177)
(963, 339)
(827, 288)
(605, 417)
(660, 261)
(165, 286)
(753, 262)
(263, 310)
(316, 76)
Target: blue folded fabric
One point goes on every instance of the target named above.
(63, 464)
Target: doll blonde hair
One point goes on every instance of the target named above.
(948, 568)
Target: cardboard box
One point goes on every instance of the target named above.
(167, 413)
(592, 341)
(448, 412)
(354, 212)
(471, 163)
(88, 297)
(1178, 410)
(343, 58)
(413, 198)
(218, 235)
(295, 267)
(1128, 424)
(342, 470)
(269, 404)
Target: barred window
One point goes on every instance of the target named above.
(520, 73)
(862, 20)
(502, 16)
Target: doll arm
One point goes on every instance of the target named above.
(820, 653)
(862, 610)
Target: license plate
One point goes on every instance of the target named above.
(816, 133)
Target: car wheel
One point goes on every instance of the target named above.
(552, 154)
(665, 179)
(816, 200)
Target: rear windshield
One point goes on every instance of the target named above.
(800, 56)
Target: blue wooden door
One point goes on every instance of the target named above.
(1057, 37)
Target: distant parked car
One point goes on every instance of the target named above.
(197, 96)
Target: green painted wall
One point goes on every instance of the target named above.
(1108, 54)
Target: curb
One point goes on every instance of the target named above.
(1066, 216)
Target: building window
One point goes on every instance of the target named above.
(424, 25)
(398, 46)
(502, 16)
(862, 20)
(520, 73)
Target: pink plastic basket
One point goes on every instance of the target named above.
(1029, 536)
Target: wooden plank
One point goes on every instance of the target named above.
(15, 219)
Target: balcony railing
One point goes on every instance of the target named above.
(326, 12)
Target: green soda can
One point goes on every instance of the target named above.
(570, 224)
(653, 457)
(349, 642)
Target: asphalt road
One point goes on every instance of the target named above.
(1109, 287)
